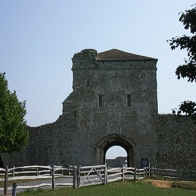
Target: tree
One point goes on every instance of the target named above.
(13, 132)
(188, 69)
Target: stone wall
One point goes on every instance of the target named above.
(176, 138)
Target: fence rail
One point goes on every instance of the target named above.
(34, 173)
(92, 175)
(81, 175)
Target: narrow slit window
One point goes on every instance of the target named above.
(87, 82)
(128, 100)
(74, 113)
(100, 101)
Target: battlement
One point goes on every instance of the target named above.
(86, 54)
(111, 59)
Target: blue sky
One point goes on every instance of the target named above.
(39, 38)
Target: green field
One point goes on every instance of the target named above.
(114, 189)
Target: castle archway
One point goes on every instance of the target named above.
(116, 156)
(116, 140)
(115, 151)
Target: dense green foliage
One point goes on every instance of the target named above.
(114, 189)
(188, 69)
(13, 133)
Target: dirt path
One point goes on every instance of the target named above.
(161, 183)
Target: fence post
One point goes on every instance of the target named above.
(122, 171)
(180, 174)
(144, 172)
(51, 171)
(62, 171)
(69, 169)
(106, 174)
(14, 189)
(149, 170)
(164, 173)
(155, 167)
(152, 171)
(37, 171)
(78, 176)
(6, 179)
(13, 171)
(135, 174)
(53, 180)
(74, 177)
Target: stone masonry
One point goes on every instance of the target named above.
(114, 102)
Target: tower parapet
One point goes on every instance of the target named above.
(85, 54)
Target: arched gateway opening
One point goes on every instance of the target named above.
(116, 156)
(116, 140)
(115, 151)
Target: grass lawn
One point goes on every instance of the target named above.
(114, 189)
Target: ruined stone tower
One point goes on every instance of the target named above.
(114, 102)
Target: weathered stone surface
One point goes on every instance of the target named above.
(176, 137)
(85, 131)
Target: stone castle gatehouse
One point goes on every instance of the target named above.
(114, 102)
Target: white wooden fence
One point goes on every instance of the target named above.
(91, 175)
(99, 174)
(36, 172)
(123, 173)
(81, 175)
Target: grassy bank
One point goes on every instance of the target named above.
(114, 189)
